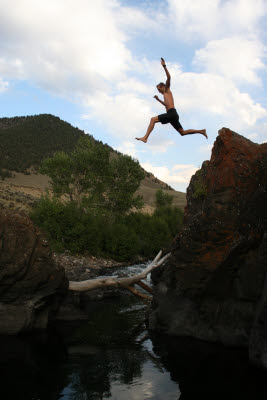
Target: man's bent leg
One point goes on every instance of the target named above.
(149, 129)
(192, 131)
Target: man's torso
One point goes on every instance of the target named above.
(168, 100)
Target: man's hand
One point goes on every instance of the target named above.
(162, 102)
(168, 81)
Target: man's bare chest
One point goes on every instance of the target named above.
(168, 97)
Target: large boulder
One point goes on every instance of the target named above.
(32, 285)
(213, 286)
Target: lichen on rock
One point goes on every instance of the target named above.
(213, 285)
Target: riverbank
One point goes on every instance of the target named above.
(76, 305)
(83, 267)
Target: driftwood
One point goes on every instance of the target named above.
(127, 283)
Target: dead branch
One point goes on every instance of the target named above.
(127, 283)
(145, 287)
(143, 297)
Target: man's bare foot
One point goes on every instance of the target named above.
(142, 139)
(204, 133)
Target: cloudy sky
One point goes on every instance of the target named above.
(95, 64)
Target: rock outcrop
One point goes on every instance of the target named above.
(213, 287)
(32, 285)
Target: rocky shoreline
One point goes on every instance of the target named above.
(83, 267)
(79, 268)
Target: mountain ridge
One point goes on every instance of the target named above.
(26, 140)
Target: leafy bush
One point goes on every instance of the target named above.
(121, 242)
(173, 216)
(98, 192)
(69, 228)
(163, 199)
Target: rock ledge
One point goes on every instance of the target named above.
(213, 286)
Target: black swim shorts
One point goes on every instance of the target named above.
(172, 117)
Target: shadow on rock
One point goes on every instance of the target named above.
(31, 367)
(210, 371)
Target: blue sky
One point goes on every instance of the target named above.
(96, 64)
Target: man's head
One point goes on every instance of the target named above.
(161, 87)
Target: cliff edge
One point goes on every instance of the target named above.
(213, 287)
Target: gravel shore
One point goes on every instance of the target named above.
(80, 268)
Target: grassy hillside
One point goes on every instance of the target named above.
(26, 141)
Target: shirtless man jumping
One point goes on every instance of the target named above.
(171, 115)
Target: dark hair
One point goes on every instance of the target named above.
(161, 84)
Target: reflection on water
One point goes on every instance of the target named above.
(110, 356)
(123, 373)
(107, 357)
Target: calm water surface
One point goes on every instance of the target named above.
(111, 356)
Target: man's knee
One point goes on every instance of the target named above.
(154, 119)
(181, 131)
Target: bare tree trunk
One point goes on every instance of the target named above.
(127, 283)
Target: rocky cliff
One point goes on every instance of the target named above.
(213, 287)
(32, 285)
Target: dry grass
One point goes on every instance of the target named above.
(148, 190)
(22, 191)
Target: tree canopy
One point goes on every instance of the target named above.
(163, 199)
(94, 179)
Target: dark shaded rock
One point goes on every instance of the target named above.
(32, 285)
(213, 285)
(258, 337)
(209, 371)
(32, 366)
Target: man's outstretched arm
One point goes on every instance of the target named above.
(162, 102)
(168, 81)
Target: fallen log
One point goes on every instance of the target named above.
(127, 283)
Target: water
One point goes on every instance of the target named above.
(111, 356)
(115, 351)
(116, 357)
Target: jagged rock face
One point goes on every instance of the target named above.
(32, 285)
(213, 285)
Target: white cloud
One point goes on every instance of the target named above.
(158, 145)
(79, 49)
(252, 136)
(236, 58)
(206, 150)
(127, 112)
(134, 148)
(178, 176)
(125, 115)
(260, 136)
(133, 85)
(212, 94)
(207, 19)
(3, 85)
(137, 19)
(68, 47)
(128, 148)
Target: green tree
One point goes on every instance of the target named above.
(93, 180)
(125, 178)
(163, 199)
